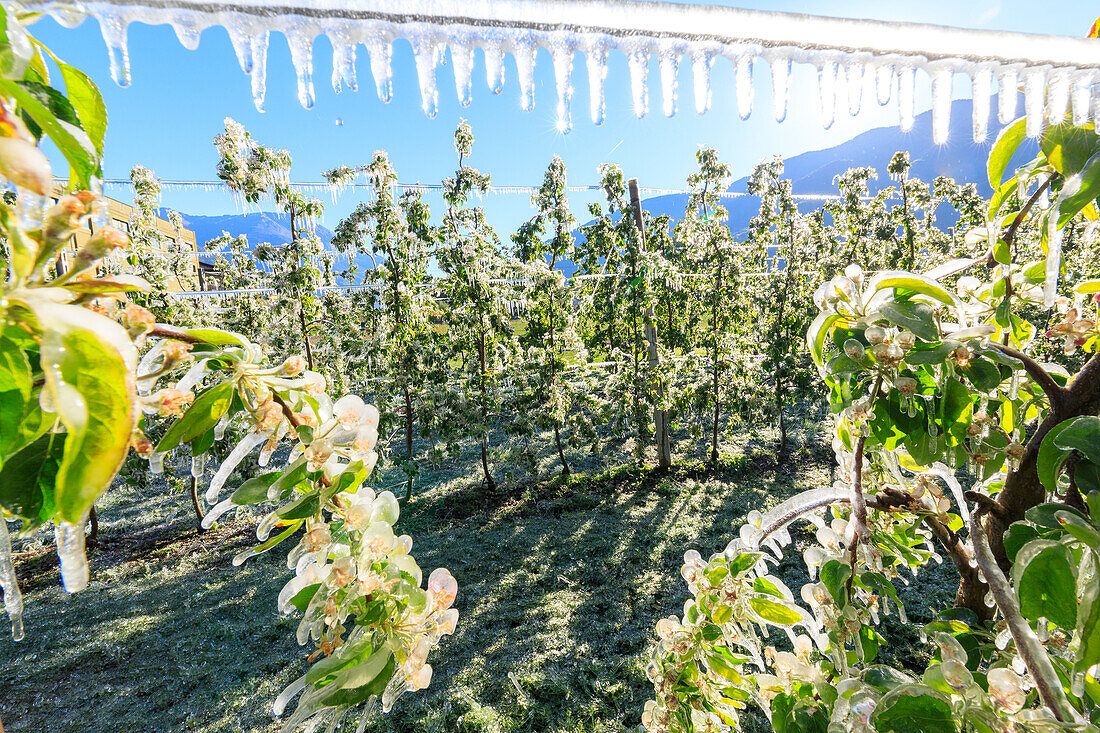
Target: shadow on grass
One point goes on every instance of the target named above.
(561, 583)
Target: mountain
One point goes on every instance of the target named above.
(259, 227)
(812, 173)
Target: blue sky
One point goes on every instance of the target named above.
(178, 98)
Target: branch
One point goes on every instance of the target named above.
(1028, 645)
(296, 423)
(1056, 394)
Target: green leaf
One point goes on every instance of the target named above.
(1078, 190)
(217, 337)
(88, 362)
(28, 477)
(1081, 434)
(304, 596)
(909, 281)
(203, 414)
(88, 103)
(1046, 583)
(305, 507)
(1087, 286)
(818, 333)
(361, 675)
(1018, 535)
(1049, 462)
(775, 613)
(1068, 147)
(1088, 628)
(982, 373)
(743, 562)
(254, 490)
(1002, 151)
(913, 709)
(914, 315)
(15, 391)
(834, 574)
(1079, 528)
(53, 113)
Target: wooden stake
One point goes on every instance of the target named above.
(660, 417)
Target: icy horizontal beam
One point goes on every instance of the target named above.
(1058, 74)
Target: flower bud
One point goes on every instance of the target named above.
(853, 349)
(137, 320)
(854, 273)
(875, 334)
(906, 385)
(293, 366)
(905, 340)
(171, 401)
(141, 444)
(25, 165)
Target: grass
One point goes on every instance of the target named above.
(560, 586)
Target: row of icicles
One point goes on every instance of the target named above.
(1048, 92)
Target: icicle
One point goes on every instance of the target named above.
(597, 73)
(424, 54)
(1082, 96)
(701, 63)
(288, 694)
(1058, 96)
(1054, 260)
(1007, 95)
(670, 71)
(884, 82)
(826, 86)
(198, 464)
(9, 583)
(259, 70)
(216, 513)
(186, 32)
(1034, 88)
(462, 56)
(263, 529)
(562, 57)
(69, 539)
(301, 55)
(242, 47)
(906, 82)
(744, 85)
(524, 53)
(113, 27)
(941, 103)
(380, 52)
(343, 67)
(156, 463)
(222, 424)
(1077, 684)
(638, 63)
(233, 460)
(781, 85)
(494, 68)
(853, 75)
(981, 87)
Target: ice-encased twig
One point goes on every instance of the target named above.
(13, 599)
(70, 551)
(639, 30)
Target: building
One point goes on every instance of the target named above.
(119, 214)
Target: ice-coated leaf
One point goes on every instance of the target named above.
(1046, 583)
(27, 480)
(1003, 149)
(913, 709)
(203, 415)
(88, 362)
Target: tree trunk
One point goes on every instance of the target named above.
(408, 437)
(483, 376)
(714, 366)
(93, 527)
(1023, 489)
(561, 452)
(195, 502)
